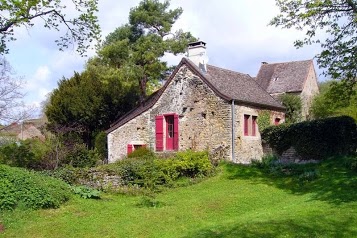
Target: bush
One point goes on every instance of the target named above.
(100, 144)
(148, 171)
(141, 152)
(68, 174)
(15, 154)
(293, 107)
(318, 139)
(25, 189)
(81, 157)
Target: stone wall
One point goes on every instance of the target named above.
(204, 118)
(310, 89)
(248, 148)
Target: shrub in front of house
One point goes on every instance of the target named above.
(317, 139)
(20, 188)
(149, 171)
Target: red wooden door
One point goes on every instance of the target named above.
(169, 132)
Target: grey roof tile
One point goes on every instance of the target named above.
(284, 77)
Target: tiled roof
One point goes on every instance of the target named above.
(240, 87)
(227, 84)
(284, 77)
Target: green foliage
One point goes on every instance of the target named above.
(293, 107)
(30, 153)
(337, 18)
(336, 98)
(81, 30)
(277, 137)
(136, 49)
(141, 152)
(89, 102)
(67, 173)
(86, 192)
(151, 172)
(25, 189)
(263, 120)
(193, 164)
(316, 139)
(81, 157)
(100, 144)
(17, 155)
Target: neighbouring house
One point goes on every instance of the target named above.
(200, 107)
(28, 129)
(297, 77)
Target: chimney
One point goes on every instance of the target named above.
(196, 52)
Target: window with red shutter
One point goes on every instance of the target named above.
(246, 125)
(159, 132)
(176, 132)
(254, 125)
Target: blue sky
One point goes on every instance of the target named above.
(236, 32)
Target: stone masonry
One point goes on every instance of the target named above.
(204, 118)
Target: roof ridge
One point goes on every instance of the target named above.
(229, 70)
(287, 62)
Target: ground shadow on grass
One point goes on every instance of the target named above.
(314, 226)
(333, 182)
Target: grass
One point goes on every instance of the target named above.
(240, 201)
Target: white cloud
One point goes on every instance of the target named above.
(42, 74)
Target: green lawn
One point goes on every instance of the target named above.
(238, 202)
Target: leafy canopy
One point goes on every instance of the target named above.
(337, 18)
(137, 48)
(80, 29)
(90, 101)
(336, 98)
(293, 107)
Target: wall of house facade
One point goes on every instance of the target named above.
(249, 147)
(310, 89)
(204, 118)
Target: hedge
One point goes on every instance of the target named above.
(317, 139)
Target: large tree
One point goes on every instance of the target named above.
(81, 27)
(137, 48)
(338, 18)
(90, 101)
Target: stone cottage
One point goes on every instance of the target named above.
(200, 107)
(297, 77)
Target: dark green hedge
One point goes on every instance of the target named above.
(317, 139)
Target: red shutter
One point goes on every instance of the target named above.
(129, 149)
(159, 132)
(246, 122)
(254, 125)
(176, 132)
